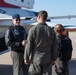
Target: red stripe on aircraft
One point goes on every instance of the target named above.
(4, 4)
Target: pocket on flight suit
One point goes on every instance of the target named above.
(42, 58)
(34, 70)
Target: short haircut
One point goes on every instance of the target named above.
(43, 14)
(58, 28)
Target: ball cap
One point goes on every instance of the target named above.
(16, 16)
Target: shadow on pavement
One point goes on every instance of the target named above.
(6, 70)
(72, 67)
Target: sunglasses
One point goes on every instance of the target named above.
(17, 19)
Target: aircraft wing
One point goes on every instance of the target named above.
(63, 17)
(67, 26)
(28, 20)
(7, 21)
(52, 24)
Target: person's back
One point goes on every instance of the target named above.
(61, 65)
(43, 37)
(42, 44)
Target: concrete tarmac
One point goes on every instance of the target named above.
(6, 62)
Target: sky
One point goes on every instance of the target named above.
(57, 8)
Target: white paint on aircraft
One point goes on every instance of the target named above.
(21, 3)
